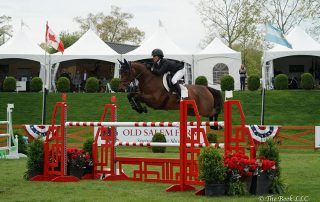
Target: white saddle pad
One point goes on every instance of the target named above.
(184, 90)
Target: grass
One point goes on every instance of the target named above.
(299, 169)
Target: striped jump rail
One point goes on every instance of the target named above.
(144, 124)
(164, 144)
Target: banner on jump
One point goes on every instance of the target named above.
(317, 138)
(145, 134)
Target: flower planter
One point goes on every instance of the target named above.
(261, 184)
(248, 182)
(77, 172)
(215, 189)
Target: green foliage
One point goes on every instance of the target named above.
(113, 27)
(9, 84)
(211, 166)
(87, 146)
(281, 82)
(236, 188)
(35, 159)
(158, 137)
(36, 84)
(22, 146)
(307, 81)
(63, 85)
(253, 82)
(201, 80)
(212, 138)
(92, 85)
(114, 84)
(227, 83)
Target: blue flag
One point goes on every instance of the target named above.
(275, 35)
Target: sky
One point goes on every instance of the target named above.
(179, 17)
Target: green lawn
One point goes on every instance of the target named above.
(299, 169)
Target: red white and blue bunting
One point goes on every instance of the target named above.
(263, 133)
(37, 130)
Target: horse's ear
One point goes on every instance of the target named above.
(121, 63)
(126, 62)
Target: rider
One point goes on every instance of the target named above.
(161, 66)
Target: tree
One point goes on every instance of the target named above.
(5, 28)
(286, 14)
(113, 27)
(231, 19)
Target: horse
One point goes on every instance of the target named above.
(152, 92)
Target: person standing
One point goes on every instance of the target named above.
(243, 76)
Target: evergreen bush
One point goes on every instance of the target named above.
(114, 84)
(227, 83)
(253, 82)
(36, 84)
(307, 81)
(9, 84)
(63, 85)
(281, 82)
(212, 138)
(87, 146)
(159, 137)
(35, 161)
(92, 85)
(201, 80)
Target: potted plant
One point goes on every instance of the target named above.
(212, 171)
(35, 159)
(270, 151)
(77, 160)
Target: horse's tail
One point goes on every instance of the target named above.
(218, 100)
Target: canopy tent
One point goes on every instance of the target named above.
(20, 46)
(216, 60)
(89, 46)
(292, 62)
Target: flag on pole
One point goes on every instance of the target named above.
(275, 35)
(53, 41)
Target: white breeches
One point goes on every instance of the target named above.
(177, 76)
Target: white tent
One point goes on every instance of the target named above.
(215, 60)
(302, 45)
(89, 46)
(159, 39)
(20, 46)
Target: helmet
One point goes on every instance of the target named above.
(157, 52)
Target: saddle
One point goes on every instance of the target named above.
(166, 80)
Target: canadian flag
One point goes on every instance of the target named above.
(53, 40)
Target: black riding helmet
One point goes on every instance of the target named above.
(157, 52)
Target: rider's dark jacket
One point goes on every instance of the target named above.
(166, 66)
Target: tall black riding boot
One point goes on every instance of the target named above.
(178, 90)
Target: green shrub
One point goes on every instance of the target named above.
(211, 166)
(159, 137)
(281, 82)
(307, 81)
(92, 85)
(9, 84)
(201, 80)
(253, 82)
(212, 138)
(36, 84)
(227, 83)
(114, 84)
(87, 146)
(35, 159)
(63, 85)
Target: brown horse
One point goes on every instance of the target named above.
(152, 92)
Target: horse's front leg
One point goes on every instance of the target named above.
(134, 100)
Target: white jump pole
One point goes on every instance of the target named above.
(163, 144)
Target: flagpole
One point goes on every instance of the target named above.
(263, 93)
(43, 122)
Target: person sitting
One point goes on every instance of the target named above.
(161, 66)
